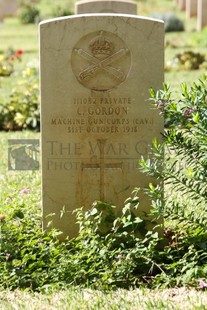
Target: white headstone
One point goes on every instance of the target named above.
(191, 8)
(202, 14)
(96, 72)
(182, 5)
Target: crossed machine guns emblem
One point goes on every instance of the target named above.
(101, 57)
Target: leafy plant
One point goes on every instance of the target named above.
(199, 38)
(7, 61)
(123, 253)
(172, 22)
(22, 110)
(118, 257)
(28, 12)
(59, 11)
(185, 178)
(30, 258)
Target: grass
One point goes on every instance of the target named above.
(12, 182)
(75, 299)
(25, 37)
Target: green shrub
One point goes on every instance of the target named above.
(172, 22)
(30, 258)
(116, 256)
(22, 109)
(199, 38)
(59, 11)
(188, 60)
(184, 174)
(28, 12)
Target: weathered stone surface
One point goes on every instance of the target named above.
(96, 121)
(191, 8)
(106, 6)
(7, 8)
(182, 5)
(202, 14)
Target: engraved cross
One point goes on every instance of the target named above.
(102, 166)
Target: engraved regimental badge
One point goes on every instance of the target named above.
(101, 61)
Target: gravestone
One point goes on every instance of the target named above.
(8, 8)
(202, 14)
(106, 6)
(96, 122)
(182, 5)
(191, 8)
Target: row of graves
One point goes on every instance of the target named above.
(8, 8)
(195, 8)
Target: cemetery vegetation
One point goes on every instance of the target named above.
(28, 12)
(33, 11)
(115, 258)
(109, 253)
